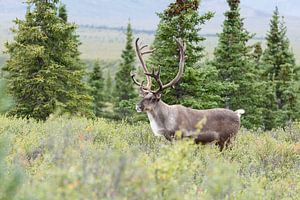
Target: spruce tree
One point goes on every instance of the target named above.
(257, 54)
(108, 87)
(181, 20)
(236, 68)
(96, 82)
(62, 12)
(44, 70)
(209, 87)
(124, 92)
(281, 74)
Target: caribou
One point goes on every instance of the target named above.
(216, 125)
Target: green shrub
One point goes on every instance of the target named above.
(10, 178)
(83, 159)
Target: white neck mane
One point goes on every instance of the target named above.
(161, 112)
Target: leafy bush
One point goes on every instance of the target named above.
(84, 159)
(10, 178)
(5, 101)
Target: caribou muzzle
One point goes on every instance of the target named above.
(139, 108)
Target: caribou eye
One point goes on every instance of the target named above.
(143, 93)
(153, 99)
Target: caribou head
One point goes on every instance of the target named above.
(150, 98)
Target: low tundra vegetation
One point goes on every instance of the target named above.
(77, 158)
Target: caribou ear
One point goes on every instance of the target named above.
(158, 95)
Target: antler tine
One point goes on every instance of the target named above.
(182, 49)
(156, 76)
(132, 74)
(143, 47)
(147, 52)
(140, 56)
(141, 85)
(142, 89)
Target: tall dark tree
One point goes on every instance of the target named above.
(108, 87)
(236, 68)
(180, 20)
(62, 12)
(96, 82)
(124, 91)
(44, 70)
(281, 75)
(257, 54)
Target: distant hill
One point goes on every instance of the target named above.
(114, 14)
(142, 13)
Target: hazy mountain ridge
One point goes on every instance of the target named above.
(142, 13)
(114, 14)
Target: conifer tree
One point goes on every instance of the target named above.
(209, 87)
(281, 74)
(257, 53)
(181, 20)
(108, 87)
(62, 12)
(96, 82)
(124, 91)
(44, 70)
(236, 68)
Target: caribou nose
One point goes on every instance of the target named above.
(138, 108)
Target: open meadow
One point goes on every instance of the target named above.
(107, 44)
(83, 159)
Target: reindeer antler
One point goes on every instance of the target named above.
(140, 56)
(156, 75)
